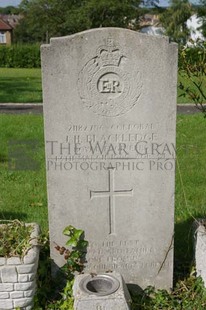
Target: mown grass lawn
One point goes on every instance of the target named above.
(190, 199)
(23, 196)
(20, 85)
(22, 193)
(24, 85)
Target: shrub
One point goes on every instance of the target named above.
(192, 66)
(191, 55)
(20, 56)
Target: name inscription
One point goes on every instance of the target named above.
(132, 147)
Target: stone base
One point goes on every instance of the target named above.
(119, 300)
(18, 277)
(200, 248)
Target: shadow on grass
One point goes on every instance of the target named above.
(3, 158)
(184, 248)
(15, 90)
(10, 216)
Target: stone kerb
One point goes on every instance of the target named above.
(18, 277)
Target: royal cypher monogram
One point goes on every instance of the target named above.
(108, 84)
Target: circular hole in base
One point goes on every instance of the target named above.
(99, 285)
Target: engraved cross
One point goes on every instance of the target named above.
(111, 193)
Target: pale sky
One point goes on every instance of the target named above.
(4, 3)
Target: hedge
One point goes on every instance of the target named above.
(20, 56)
(28, 56)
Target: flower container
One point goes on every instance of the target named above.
(18, 276)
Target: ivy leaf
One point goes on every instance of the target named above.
(72, 242)
(78, 233)
(74, 255)
(83, 244)
(68, 230)
(71, 262)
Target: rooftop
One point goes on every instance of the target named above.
(4, 25)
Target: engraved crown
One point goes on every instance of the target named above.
(109, 54)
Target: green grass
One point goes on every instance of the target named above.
(22, 193)
(24, 85)
(190, 182)
(20, 85)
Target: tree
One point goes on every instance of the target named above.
(174, 20)
(41, 19)
(48, 18)
(192, 67)
(202, 15)
(9, 10)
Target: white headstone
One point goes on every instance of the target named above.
(110, 114)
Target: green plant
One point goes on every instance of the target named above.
(20, 56)
(174, 20)
(14, 238)
(43, 19)
(192, 66)
(45, 283)
(187, 294)
(74, 256)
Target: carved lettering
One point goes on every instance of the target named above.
(116, 127)
(110, 83)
